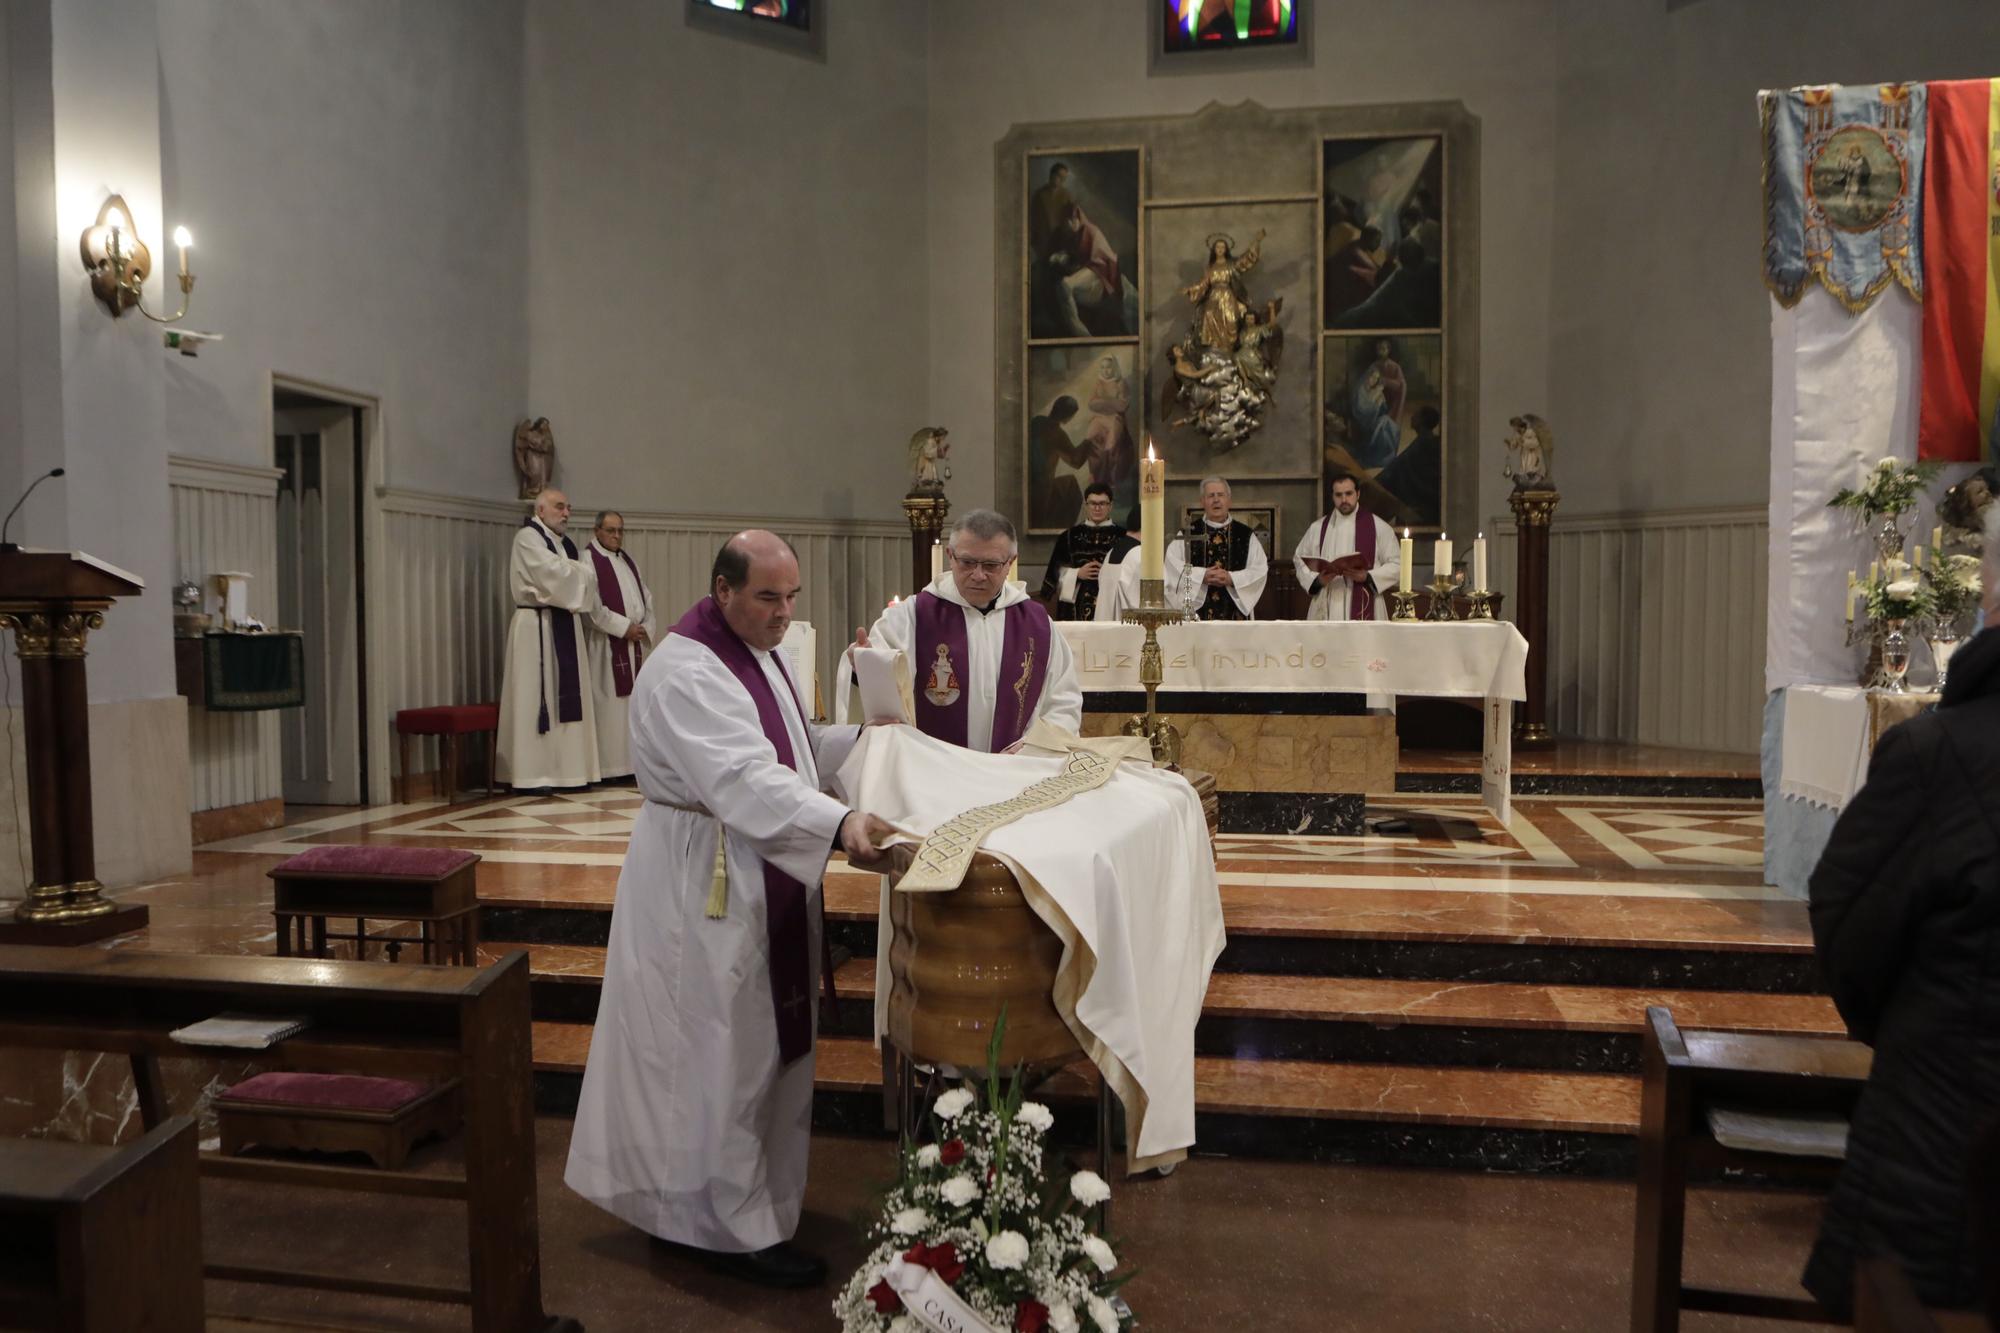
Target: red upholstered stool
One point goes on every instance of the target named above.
(382, 1117)
(449, 721)
(434, 886)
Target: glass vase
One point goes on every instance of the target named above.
(1896, 656)
(1889, 540)
(1943, 641)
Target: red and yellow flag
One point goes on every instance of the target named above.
(1961, 361)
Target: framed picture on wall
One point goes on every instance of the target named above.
(1385, 234)
(1082, 244)
(798, 26)
(1384, 424)
(1081, 401)
(1262, 520)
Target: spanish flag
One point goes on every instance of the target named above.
(1961, 358)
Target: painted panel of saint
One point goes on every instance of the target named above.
(1079, 431)
(1083, 244)
(1385, 236)
(1385, 422)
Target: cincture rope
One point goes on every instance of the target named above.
(718, 880)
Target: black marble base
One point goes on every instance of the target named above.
(1418, 1044)
(1331, 814)
(544, 925)
(1380, 1143)
(1587, 784)
(1536, 964)
(1273, 703)
(552, 1001)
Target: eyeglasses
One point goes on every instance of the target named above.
(990, 566)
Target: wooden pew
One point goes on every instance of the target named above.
(373, 1018)
(102, 1239)
(1684, 1073)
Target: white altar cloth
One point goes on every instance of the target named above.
(1826, 744)
(1449, 659)
(1123, 874)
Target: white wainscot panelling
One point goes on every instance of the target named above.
(1656, 625)
(225, 518)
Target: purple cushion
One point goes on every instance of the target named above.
(344, 1092)
(448, 719)
(404, 862)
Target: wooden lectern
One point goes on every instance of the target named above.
(52, 600)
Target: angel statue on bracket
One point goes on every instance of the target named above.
(1226, 366)
(1531, 451)
(929, 448)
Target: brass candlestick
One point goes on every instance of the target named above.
(1441, 608)
(1482, 605)
(1151, 613)
(1402, 605)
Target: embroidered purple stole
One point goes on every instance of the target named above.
(625, 655)
(943, 656)
(1361, 602)
(787, 914)
(562, 628)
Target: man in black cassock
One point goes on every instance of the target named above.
(1077, 562)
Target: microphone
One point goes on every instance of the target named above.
(5, 545)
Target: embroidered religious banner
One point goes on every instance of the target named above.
(1843, 184)
(1959, 420)
(944, 857)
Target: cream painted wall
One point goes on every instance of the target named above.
(729, 308)
(354, 176)
(993, 66)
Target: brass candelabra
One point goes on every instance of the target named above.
(1151, 613)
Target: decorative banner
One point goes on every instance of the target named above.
(1961, 362)
(1843, 179)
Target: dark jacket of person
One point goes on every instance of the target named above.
(1906, 924)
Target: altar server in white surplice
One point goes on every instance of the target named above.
(697, 1099)
(985, 660)
(622, 633)
(548, 725)
(1349, 560)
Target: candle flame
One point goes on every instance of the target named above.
(1406, 534)
(1151, 457)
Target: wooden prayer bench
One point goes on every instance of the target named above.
(433, 886)
(380, 1117)
(1684, 1075)
(427, 1023)
(447, 722)
(102, 1239)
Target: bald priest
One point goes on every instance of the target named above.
(986, 660)
(548, 718)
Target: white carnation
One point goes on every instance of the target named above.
(959, 1191)
(1888, 464)
(1035, 1116)
(1100, 1253)
(1901, 588)
(928, 1155)
(1973, 585)
(1088, 1188)
(1062, 1316)
(1008, 1249)
(953, 1104)
(910, 1222)
(1102, 1315)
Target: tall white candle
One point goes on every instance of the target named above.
(937, 559)
(1441, 557)
(1406, 557)
(1479, 563)
(1152, 515)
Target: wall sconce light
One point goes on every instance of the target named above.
(119, 262)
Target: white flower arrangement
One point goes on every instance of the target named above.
(973, 1220)
(1889, 489)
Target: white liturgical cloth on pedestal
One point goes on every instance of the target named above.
(1123, 874)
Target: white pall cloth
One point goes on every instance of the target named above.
(689, 1127)
(1123, 875)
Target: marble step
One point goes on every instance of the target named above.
(1467, 1119)
(1350, 1019)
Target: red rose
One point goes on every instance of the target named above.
(1030, 1317)
(940, 1258)
(952, 1153)
(885, 1298)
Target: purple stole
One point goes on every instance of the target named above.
(625, 655)
(943, 656)
(1361, 602)
(569, 681)
(787, 917)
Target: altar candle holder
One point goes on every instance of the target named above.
(1151, 613)
(1402, 605)
(1482, 605)
(1441, 608)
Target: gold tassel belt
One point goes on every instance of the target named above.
(718, 882)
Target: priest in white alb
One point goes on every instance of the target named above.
(548, 722)
(1348, 560)
(985, 660)
(624, 627)
(696, 1110)
(1223, 558)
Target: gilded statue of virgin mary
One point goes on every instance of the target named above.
(1220, 292)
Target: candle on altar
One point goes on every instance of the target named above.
(1152, 515)
(1874, 571)
(937, 559)
(1919, 562)
(1851, 589)
(1937, 538)
(1441, 556)
(1406, 557)
(1014, 570)
(1479, 563)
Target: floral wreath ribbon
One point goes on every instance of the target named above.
(930, 1302)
